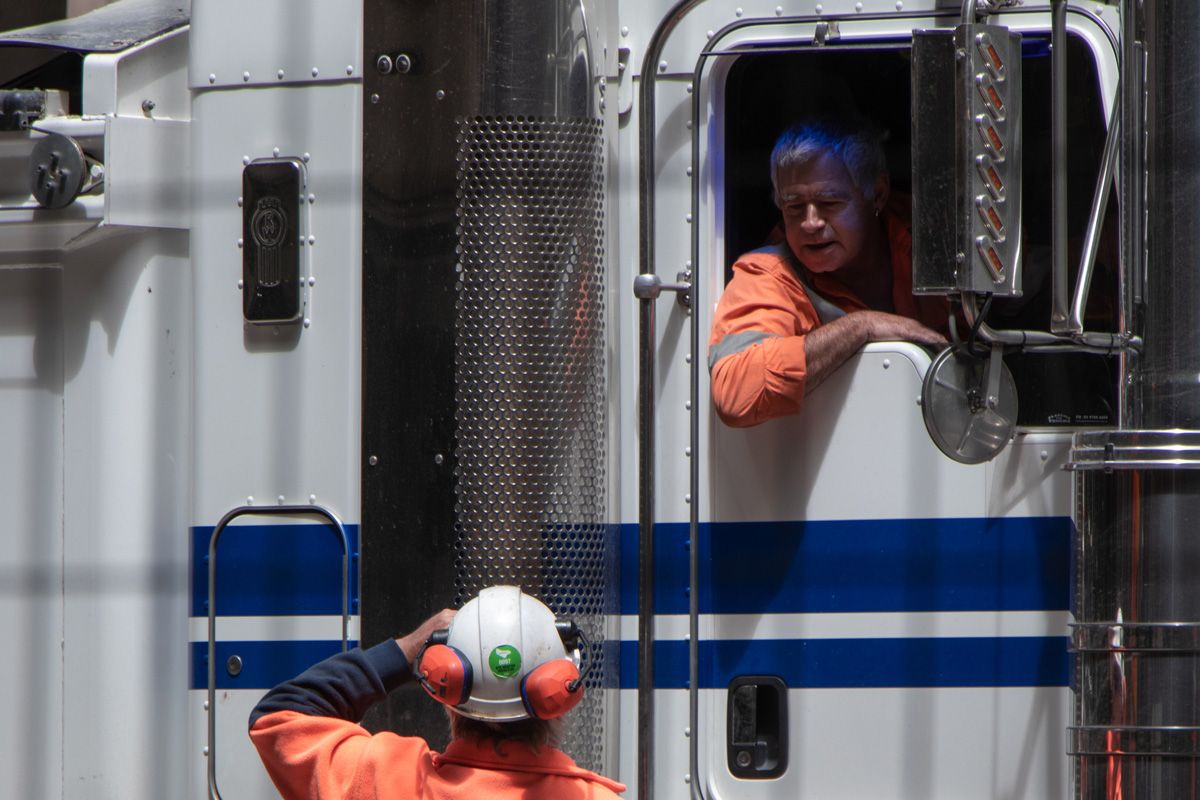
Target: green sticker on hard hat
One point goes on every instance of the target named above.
(505, 661)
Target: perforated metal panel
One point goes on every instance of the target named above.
(530, 377)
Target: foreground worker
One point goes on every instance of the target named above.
(501, 668)
(841, 277)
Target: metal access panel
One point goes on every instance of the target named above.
(935, 201)
(967, 161)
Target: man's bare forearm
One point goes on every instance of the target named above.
(826, 348)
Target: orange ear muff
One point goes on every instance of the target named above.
(553, 689)
(445, 673)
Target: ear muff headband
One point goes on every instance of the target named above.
(445, 673)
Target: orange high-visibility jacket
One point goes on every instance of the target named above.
(756, 348)
(307, 734)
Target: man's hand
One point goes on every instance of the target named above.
(885, 327)
(411, 644)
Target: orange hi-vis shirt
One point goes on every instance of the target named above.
(313, 748)
(756, 349)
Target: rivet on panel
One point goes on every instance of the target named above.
(899, 5)
(373, 460)
(687, 498)
(205, 751)
(250, 500)
(312, 198)
(689, 171)
(279, 74)
(239, 244)
(312, 240)
(245, 159)
(689, 219)
(312, 281)
(275, 152)
(887, 362)
(687, 732)
(312, 499)
(245, 77)
(688, 405)
(440, 94)
(212, 77)
(239, 202)
(315, 72)
(687, 359)
(858, 7)
(438, 459)
(662, 66)
(305, 158)
(624, 30)
(349, 69)
(819, 9)
(374, 98)
(1045, 455)
(739, 12)
(708, 34)
(279, 499)
(240, 285)
(779, 11)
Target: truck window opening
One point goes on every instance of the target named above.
(765, 93)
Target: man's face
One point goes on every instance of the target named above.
(826, 217)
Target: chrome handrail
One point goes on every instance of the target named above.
(242, 511)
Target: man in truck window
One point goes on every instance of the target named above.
(499, 664)
(840, 276)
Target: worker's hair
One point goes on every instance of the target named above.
(536, 733)
(855, 140)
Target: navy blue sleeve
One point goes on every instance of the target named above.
(342, 686)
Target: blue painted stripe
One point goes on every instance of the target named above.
(898, 565)
(862, 663)
(264, 664)
(801, 663)
(267, 570)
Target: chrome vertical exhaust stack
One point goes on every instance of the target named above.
(1136, 635)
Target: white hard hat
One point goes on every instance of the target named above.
(505, 634)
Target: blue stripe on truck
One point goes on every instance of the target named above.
(263, 664)
(801, 663)
(862, 663)
(269, 570)
(893, 565)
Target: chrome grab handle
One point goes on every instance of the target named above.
(242, 511)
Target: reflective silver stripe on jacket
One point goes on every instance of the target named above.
(735, 343)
